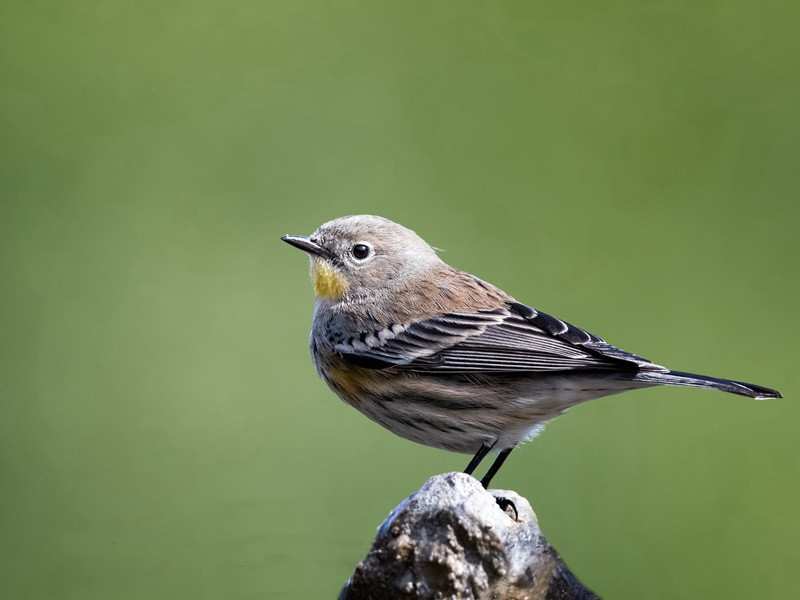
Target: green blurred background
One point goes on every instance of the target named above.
(633, 168)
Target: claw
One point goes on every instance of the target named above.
(505, 503)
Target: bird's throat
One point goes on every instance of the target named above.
(328, 282)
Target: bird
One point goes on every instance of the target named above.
(443, 358)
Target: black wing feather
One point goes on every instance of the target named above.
(515, 338)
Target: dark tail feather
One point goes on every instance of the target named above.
(712, 383)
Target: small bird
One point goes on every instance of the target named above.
(443, 358)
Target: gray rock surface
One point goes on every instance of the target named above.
(451, 540)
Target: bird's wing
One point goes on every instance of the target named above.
(512, 338)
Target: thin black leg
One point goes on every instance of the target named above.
(479, 455)
(498, 462)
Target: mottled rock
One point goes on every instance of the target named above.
(451, 540)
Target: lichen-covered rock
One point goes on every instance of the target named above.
(451, 540)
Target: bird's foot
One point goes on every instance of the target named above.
(506, 503)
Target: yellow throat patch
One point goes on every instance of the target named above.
(328, 283)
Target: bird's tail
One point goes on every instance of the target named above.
(701, 381)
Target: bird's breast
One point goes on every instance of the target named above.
(352, 384)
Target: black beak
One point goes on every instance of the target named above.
(306, 244)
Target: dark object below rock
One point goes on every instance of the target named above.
(451, 540)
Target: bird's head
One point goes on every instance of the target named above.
(357, 256)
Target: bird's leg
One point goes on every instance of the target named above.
(502, 502)
(479, 455)
(498, 462)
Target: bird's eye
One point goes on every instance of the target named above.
(360, 251)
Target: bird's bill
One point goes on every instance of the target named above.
(306, 244)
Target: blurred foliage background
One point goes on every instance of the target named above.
(630, 167)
